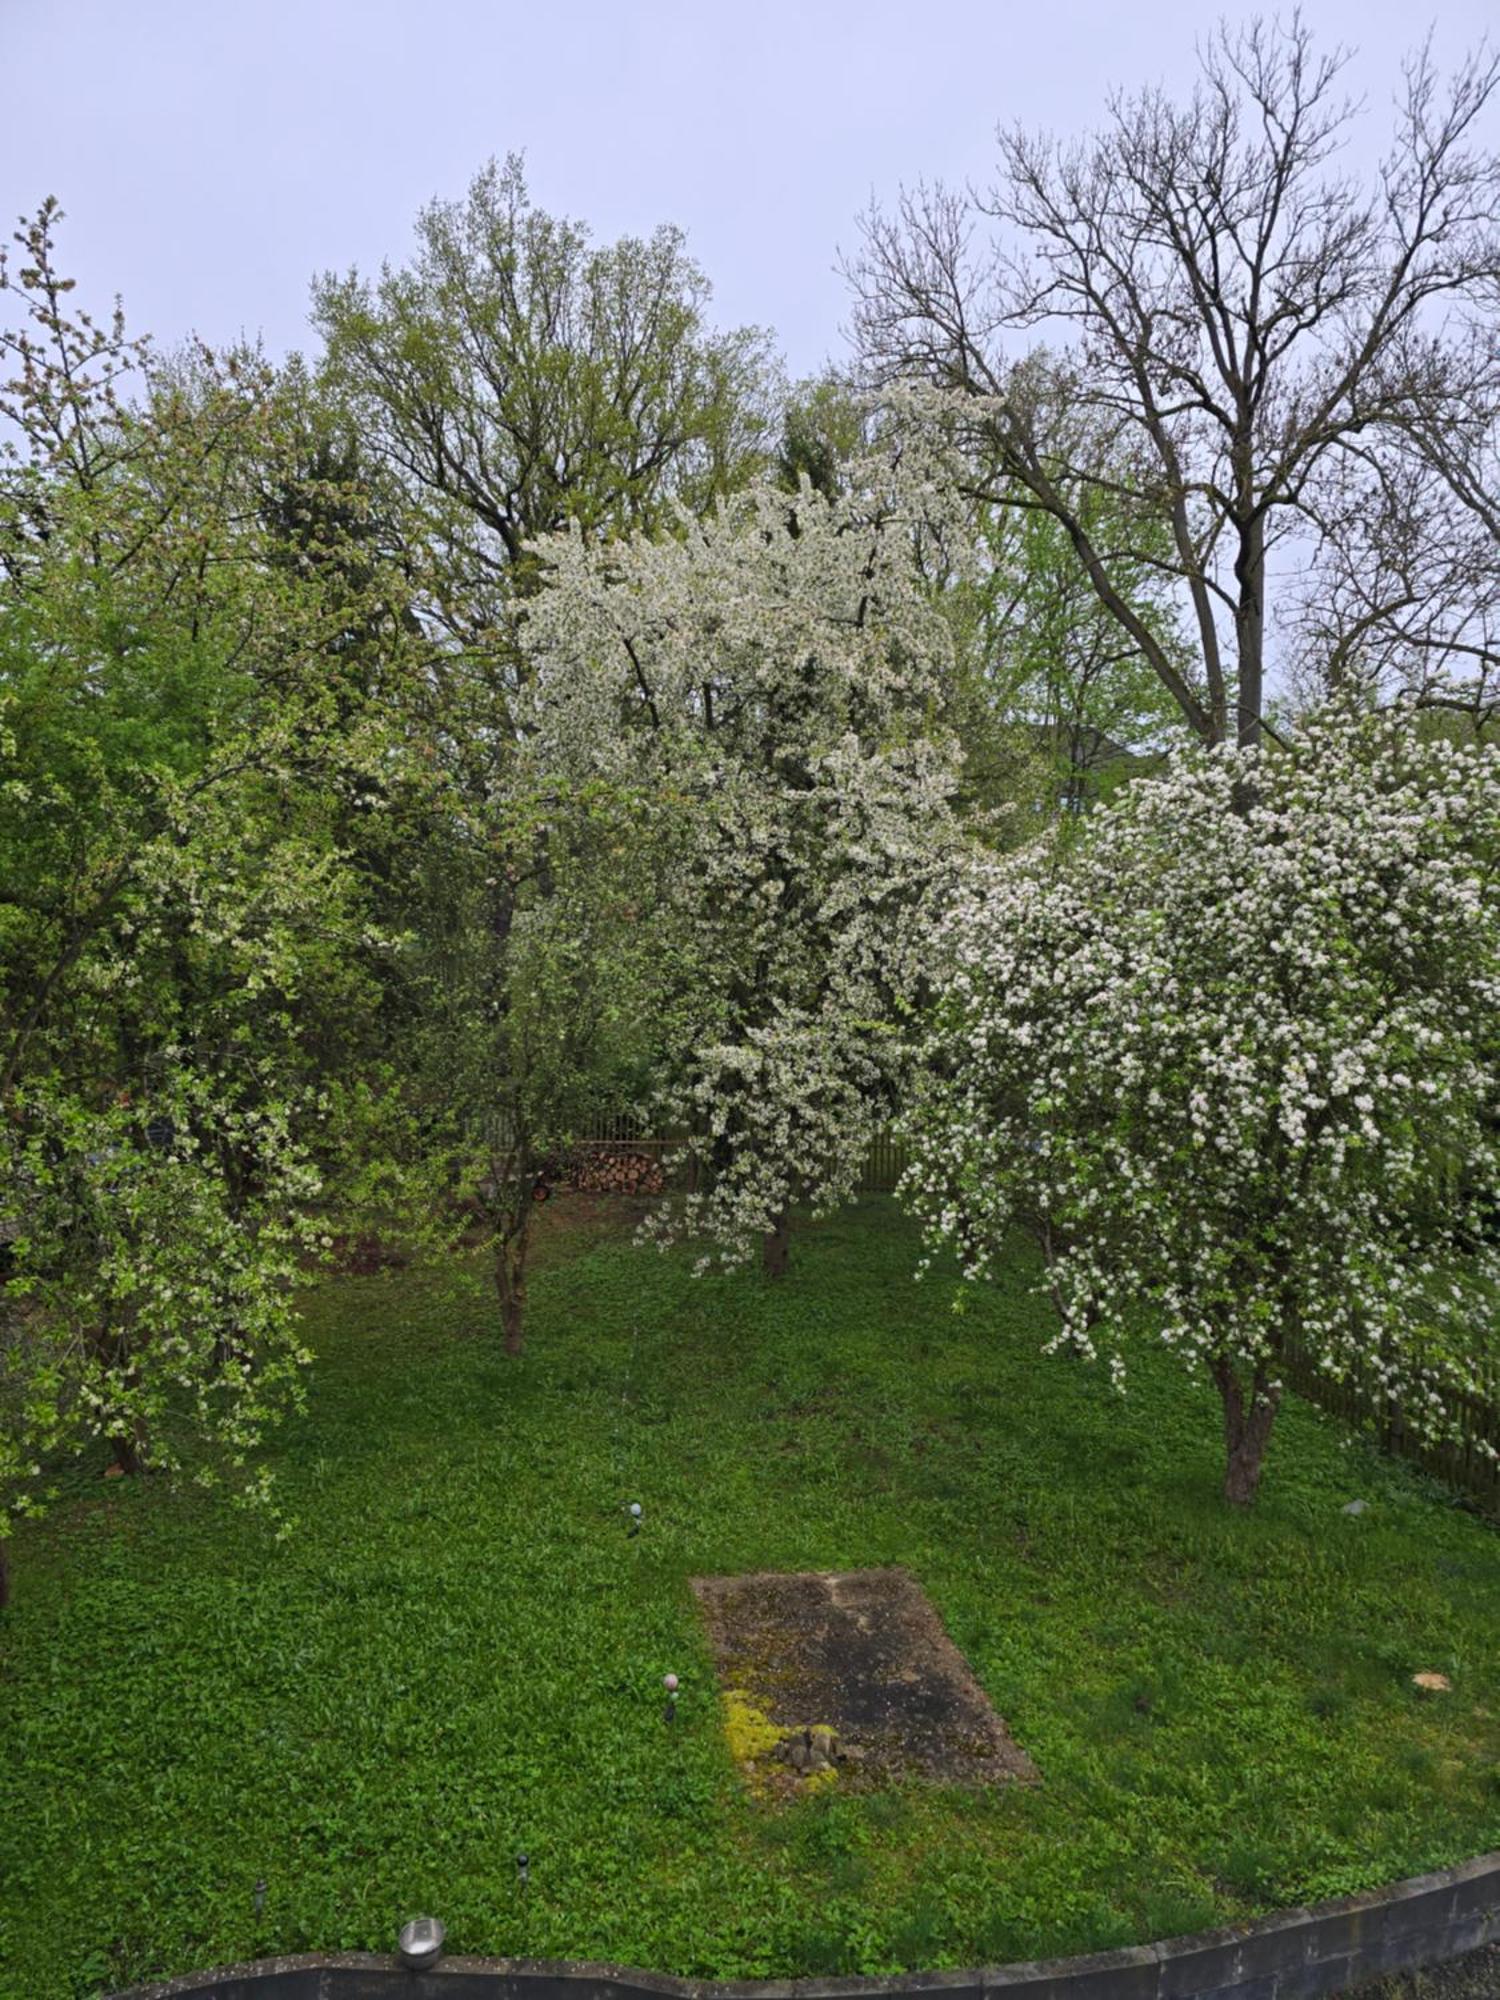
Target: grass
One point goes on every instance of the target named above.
(458, 1654)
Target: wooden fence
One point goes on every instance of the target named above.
(1465, 1461)
(884, 1163)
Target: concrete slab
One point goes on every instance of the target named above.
(859, 1656)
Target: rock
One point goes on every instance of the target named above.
(1355, 1507)
(1430, 1683)
(810, 1750)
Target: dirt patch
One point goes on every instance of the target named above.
(572, 1223)
(848, 1677)
(568, 1224)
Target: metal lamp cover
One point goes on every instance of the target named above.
(421, 1942)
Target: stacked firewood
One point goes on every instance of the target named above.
(615, 1170)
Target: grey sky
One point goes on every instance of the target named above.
(211, 157)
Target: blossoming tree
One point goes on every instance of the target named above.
(771, 672)
(1232, 1058)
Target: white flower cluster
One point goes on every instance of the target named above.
(1232, 1055)
(770, 677)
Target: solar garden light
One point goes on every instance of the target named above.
(420, 1943)
(523, 1869)
(669, 1682)
(635, 1517)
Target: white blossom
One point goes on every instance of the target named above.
(1232, 1055)
(773, 673)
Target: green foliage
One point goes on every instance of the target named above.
(458, 1655)
(517, 379)
(824, 429)
(541, 972)
(186, 955)
(150, 1251)
(541, 983)
(512, 381)
(1053, 699)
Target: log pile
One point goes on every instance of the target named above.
(615, 1170)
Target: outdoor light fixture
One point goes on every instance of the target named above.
(420, 1943)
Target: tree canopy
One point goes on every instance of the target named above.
(516, 378)
(1267, 337)
(1234, 1067)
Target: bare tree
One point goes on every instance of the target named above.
(1404, 595)
(1257, 328)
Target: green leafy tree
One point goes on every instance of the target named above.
(152, 1245)
(513, 380)
(182, 940)
(825, 431)
(516, 378)
(544, 982)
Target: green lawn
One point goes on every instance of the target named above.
(458, 1653)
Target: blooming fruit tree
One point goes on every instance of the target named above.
(769, 677)
(1231, 1054)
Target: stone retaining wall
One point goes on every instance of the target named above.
(1309, 1954)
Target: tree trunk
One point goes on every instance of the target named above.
(511, 1243)
(1250, 630)
(775, 1247)
(129, 1447)
(128, 1443)
(1247, 1430)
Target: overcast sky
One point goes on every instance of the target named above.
(212, 156)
